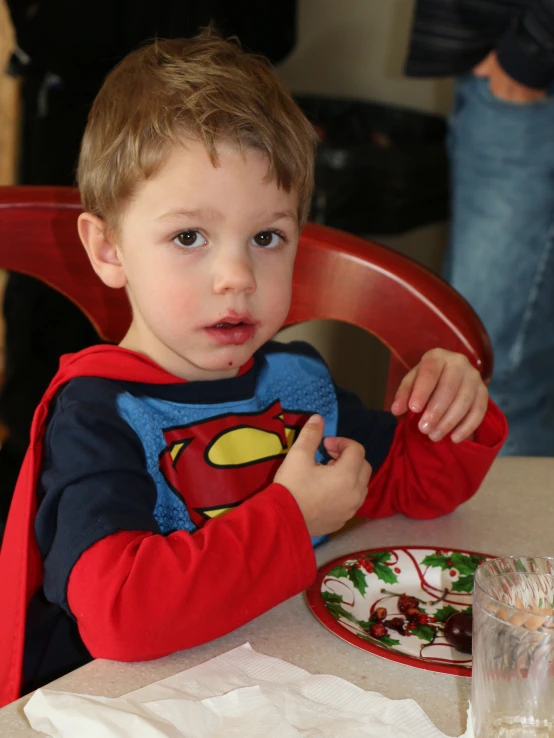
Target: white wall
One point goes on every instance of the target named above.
(357, 48)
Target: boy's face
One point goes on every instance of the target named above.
(207, 254)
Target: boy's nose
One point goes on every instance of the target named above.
(234, 274)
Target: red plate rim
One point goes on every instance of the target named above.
(317, 606)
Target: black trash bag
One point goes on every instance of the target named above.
(380, 169)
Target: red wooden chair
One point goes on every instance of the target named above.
(337, 276)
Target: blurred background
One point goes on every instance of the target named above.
(9, 127)
(354, 56)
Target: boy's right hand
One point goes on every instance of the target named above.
(328, 495)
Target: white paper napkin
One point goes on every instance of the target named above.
(239, 694)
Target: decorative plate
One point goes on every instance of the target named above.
(394, 602)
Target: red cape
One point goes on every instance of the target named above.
(20, 560)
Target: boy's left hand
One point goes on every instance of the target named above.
(449, 390)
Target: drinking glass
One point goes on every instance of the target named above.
(513, 648)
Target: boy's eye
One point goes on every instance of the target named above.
(267, 239)
(189, 239)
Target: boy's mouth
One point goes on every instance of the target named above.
(229, 324)
(233, 330)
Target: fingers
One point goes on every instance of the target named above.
(503, 86)
(445, 393)
(350, 464)
(428, 378)
(332, 446)
(402, 397)
(483, 69)
(448, 391)
(310, 436)
(474, 417)
(344, 451)
(365, 474)
(508, 89)
(348, 453)
(460, 399)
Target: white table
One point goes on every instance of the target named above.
(513, 513)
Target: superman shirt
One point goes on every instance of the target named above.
(159, 524)
(185, 453)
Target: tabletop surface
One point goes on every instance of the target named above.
(511, 514)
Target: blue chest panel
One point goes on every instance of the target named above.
(300, 383)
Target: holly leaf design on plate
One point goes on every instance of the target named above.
(366, 624)
(333, 602)
(465, 563)
(384, 641)
(384, 573)
(463, 584)
(338, 572)
(379, 556)
(424, 632)
(328, 597)
(358, 580)
(437, 560)
(389, 641)
(381, 569)
(444, 613)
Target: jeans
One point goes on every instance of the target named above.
(501, 253)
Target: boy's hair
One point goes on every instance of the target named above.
(205, 87)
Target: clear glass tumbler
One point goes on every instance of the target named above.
(513, 648)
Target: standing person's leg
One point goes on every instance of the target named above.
(501, 256)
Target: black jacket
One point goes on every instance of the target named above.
(79, 40)
(452, 36)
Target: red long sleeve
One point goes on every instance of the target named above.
(423, 479)
(137, 595)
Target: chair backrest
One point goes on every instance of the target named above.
(337, 276)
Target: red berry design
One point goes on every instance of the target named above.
(397, 570)
(368, 566)
(378, 630)
(405, 603)
(453, 573)
(396, 624)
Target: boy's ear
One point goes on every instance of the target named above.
(101, 250)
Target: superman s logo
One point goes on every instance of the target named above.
(215, 464)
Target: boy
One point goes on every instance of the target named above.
(169, 511)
